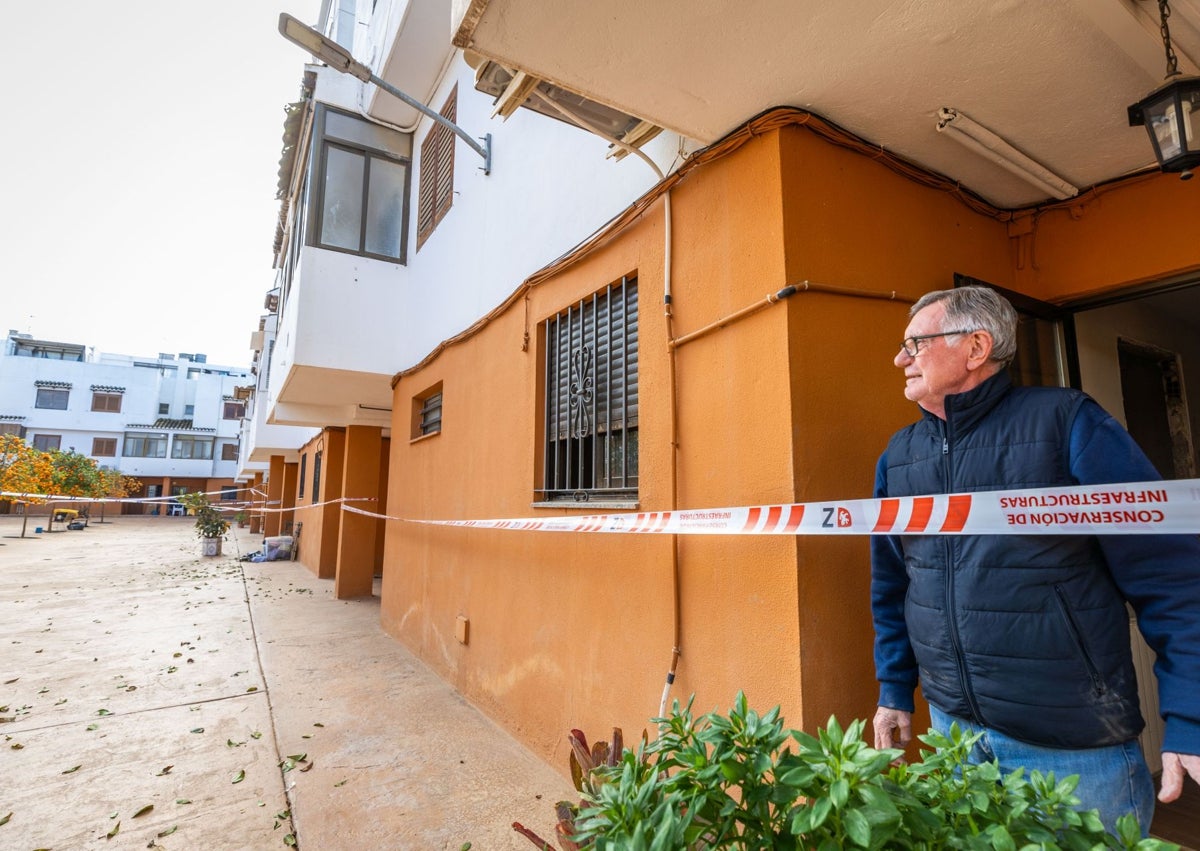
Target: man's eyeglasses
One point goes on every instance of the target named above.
(912, 345)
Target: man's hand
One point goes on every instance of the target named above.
(1174, 765)
(893, 729)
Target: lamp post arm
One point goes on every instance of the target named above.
(340, 59)
(484, 150)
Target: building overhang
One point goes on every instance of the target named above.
(1052, 80)
(318, 397)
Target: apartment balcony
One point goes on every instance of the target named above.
(416, 42)
(337, 347)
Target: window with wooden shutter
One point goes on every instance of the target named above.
(436, 194)
(591, 405)
(107, 402)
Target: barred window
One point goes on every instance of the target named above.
(316, 477)
(427, 412)
(303, 473)
(591, 405)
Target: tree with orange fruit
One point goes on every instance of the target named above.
(26, 475)
(112, 484)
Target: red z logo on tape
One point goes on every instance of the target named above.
(838, 515)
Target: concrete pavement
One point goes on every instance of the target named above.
(152, 698)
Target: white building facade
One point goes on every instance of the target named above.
(173, 420)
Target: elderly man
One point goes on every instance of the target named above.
(1026, 638)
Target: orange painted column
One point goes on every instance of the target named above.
(256, 518)
(332, 466)
(272, 522)
(291, 479)
(160, 507)
(356, 537)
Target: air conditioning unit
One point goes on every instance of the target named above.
(514, 89)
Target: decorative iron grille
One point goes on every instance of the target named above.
(591, 449)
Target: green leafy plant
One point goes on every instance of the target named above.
(210, 523)
(590, 769)
(742, 781)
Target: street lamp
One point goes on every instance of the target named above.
(339, 59)
(1171, 113)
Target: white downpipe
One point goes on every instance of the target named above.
(666, 692)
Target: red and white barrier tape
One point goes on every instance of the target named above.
(1140, 508)
(341, 499)
(58, 497)
(257, 506)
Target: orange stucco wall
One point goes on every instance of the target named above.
(791, 403)
(576, 631)
(852, 223)
(1119, 236)
(317, 520)
(323, 516)
(272, 518)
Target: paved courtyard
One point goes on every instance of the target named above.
(152, 698)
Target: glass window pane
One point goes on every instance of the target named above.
(53, 399)
(385, 207)
(47, 442)
(341, 216)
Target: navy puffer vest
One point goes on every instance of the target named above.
(1027, 635)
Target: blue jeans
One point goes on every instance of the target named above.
(1113, 779)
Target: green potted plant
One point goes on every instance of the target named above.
(211, 525)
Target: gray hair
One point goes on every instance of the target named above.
(977, 308)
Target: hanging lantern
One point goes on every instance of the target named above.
(1171, 113)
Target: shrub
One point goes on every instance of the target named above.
(742, 782)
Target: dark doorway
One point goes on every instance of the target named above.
(1155, 411)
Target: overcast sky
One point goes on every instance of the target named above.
(138, 154)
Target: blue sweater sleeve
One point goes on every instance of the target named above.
(895, 664)
(1158, 574)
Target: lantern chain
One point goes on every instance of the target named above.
(1164, 12)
